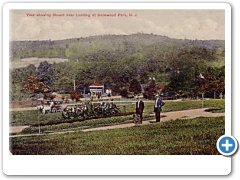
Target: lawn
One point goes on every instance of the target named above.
(177, 137)
(34, 116)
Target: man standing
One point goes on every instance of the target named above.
(51, 105)
(139, 109)
(158, 107)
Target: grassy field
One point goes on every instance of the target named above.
(79, 125)
(36, 61)
(196, 136)
(180, 137)
(220, 62)
(217, 105)
(34, 116)
(31, 117)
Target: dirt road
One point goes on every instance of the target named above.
(167, 116)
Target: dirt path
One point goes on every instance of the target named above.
(16, 129)
(23, 109)
(167, 116)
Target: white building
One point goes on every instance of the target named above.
(96, 88)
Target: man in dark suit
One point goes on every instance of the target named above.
(158, 107)
(139, 109)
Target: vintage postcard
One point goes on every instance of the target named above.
(123, 85)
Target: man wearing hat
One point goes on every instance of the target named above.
(139, 109)
(158, 107)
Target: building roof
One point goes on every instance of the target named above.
(58, 97)
(96, 84)
(160, 86)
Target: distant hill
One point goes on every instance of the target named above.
(127, 43)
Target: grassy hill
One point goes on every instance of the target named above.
(36, 61)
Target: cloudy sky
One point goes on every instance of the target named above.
(190, 24)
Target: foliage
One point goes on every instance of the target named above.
(213, 81)
(45, 73)
(17, 80)
(75, 95)
(35, 86)
(150, 90)
(63, 84)
(124, 92)
(16, 92)
(135, 87)
(49, 96)
(116, 61)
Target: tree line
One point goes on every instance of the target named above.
(126, 66)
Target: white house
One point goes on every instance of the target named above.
(96, 88)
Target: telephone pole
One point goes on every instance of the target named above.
(74, 85)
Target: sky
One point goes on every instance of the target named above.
(180, 24)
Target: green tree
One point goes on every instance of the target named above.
(78, 52)
(135, 87)
(45, 73)
(16, 92)
(150, 90)
(63, 84)
(220, 85)
(221, 81)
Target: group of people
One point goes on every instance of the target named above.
(158, 104)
